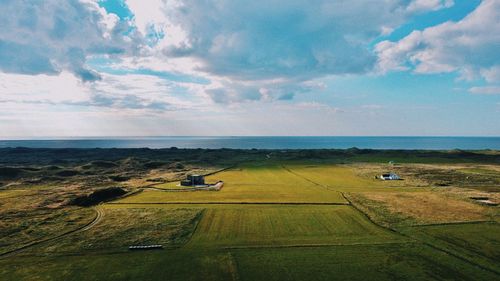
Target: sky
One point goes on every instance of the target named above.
(249, 68)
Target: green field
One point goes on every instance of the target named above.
(277, 221)
(261, 226)
(169, 227)
(361, 262)
(339, 178)
(475, 241)
(250, 184)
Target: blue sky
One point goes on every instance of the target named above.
(221, 67)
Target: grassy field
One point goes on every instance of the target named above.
(23, 222)
(414, 208)
(408, 261)
(479, 242)
(250, 184)
(272, 220)
(122, 227)
(361, 262)
(261, 226)
(176, 264)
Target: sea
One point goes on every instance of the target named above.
(263, 142)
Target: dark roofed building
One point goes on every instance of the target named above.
(193, 180)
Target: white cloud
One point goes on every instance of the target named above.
(266, 39)
(128, 92)
(485, 90)
(64, 87)
(469, 46)
(372, 106)
(47, 37)
(252, 44)
(150, 19)
(260, 50)
(138, 92)
(491, 74)
(429, 5)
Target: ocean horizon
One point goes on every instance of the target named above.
(263, 142)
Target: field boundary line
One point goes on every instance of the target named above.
(369, 218)
(99, 214)
(233, 267)
(131, 193)
(316, 245)
(454, 223)
(305, 178)
(232, 203)
(198, 221)
(220, 170)
(313, 182)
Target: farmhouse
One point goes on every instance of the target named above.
(193, 180)
(389, 176)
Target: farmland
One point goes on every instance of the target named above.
(268, 184)
(287, 226)
(274, 219)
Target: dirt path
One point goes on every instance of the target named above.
(97, 218)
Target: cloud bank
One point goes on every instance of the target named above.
(202, 58)
(470, 46)
(263, 50)
(48, 37)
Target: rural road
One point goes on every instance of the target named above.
(97, 219)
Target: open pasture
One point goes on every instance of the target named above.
(479, 242)
(355, 262)
(414, 208)
(268, 184)
(171, 264)
(275, 221)
(352, 262)
(119, 228)
(257, 226)
(343, 178)
(26, 217)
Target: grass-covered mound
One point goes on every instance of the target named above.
(98, 196)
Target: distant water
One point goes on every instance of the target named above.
(265, 142)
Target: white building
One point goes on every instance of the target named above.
(389, 176)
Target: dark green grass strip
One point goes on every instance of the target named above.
(314, 245)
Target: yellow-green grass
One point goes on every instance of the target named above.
(407, 261)
(123, 227)
(258, 226)
(25, 217)
(171, 264)
(12, 193)
(478, 242)
(270, 184)
(356, 262)
(20, 229)
(414, 208)
(342, 178)
(267, 242)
